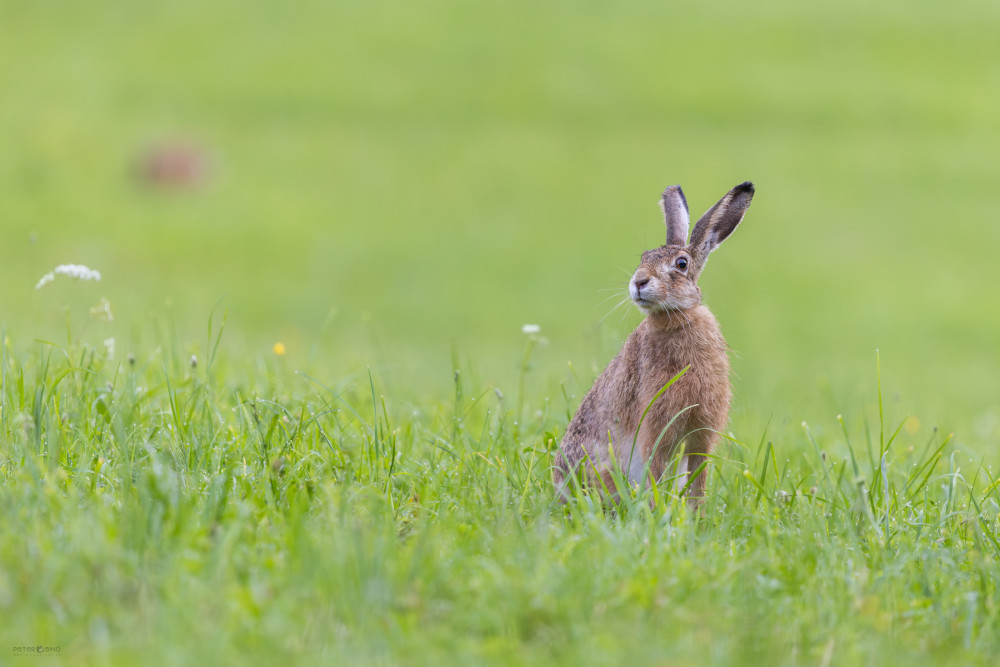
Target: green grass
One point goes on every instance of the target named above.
(239, 511)
(401, 186)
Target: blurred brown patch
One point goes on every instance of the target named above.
(175, 165)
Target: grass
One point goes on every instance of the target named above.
(230, 511)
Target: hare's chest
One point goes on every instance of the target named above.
(692, 365)
(697, 353)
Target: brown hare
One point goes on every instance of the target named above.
(679, 332)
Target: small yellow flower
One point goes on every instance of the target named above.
(279, 349)
(912, 424)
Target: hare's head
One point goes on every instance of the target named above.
(667, 277)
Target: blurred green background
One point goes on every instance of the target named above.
(384, 181)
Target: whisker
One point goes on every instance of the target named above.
(625, 314)
(625, 300)
(609, 298)
(627, 272)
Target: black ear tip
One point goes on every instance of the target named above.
(745, 186)
(677, 189)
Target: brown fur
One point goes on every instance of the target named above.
(678, 332)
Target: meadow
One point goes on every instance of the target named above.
(320, 434)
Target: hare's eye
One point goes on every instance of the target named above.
(681, 263)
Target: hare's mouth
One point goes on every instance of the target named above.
(644, 304)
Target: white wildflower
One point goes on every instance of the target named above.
(530, 329)
(75, 271)
(102, 311)
(109, 347)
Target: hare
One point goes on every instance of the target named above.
(678, 332)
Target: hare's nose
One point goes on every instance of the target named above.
(640, 280)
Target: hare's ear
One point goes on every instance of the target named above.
(675, 215)
(717, 224)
